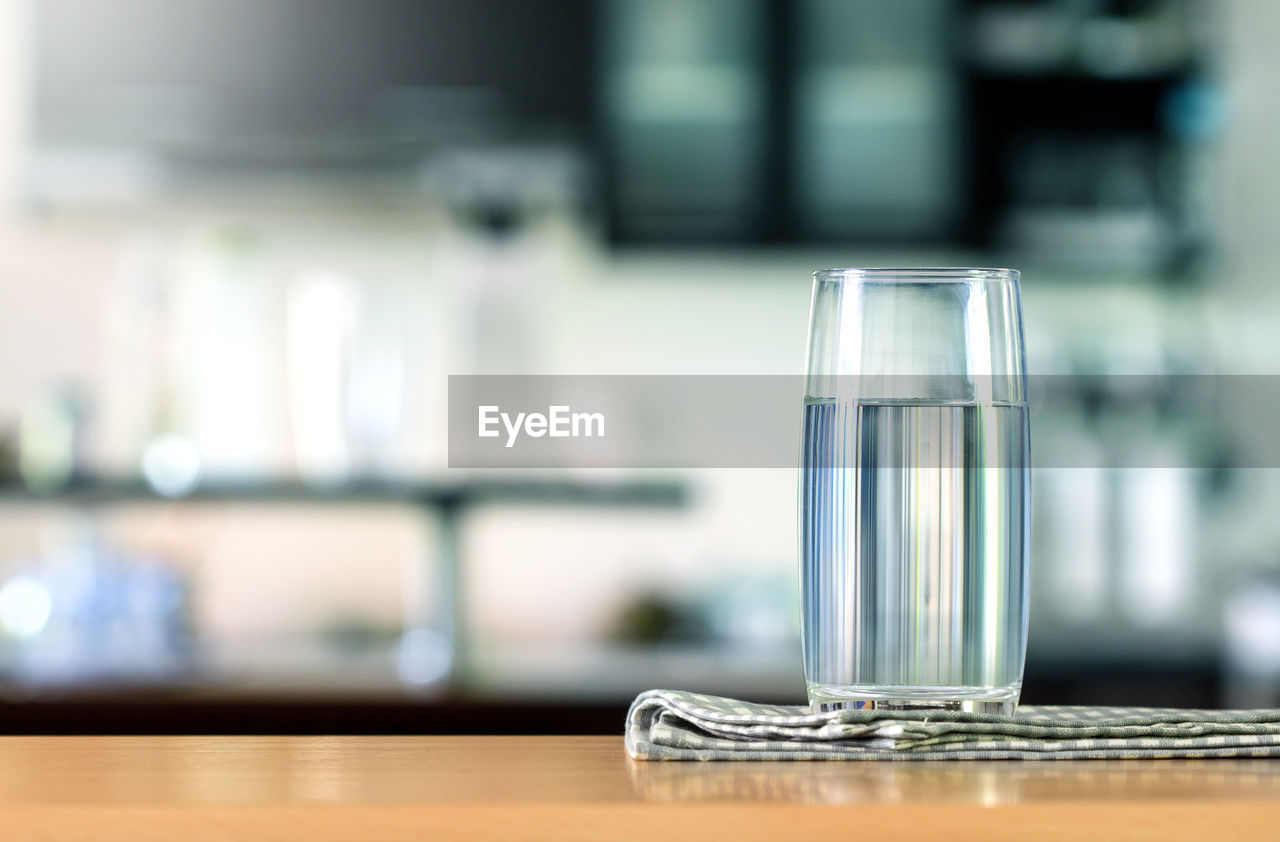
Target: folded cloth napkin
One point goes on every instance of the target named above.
(675, 725)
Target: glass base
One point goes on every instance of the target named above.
(997, 700)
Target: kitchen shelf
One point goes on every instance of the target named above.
(435, 494)
(449, 500)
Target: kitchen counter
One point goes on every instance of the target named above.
(417, 788)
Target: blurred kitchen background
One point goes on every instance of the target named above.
(243, 243)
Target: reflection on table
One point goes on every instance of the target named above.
(986, 783)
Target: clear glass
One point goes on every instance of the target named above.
(915, 491)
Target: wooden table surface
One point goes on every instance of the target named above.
(429, 788)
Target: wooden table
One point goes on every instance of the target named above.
(445, 788)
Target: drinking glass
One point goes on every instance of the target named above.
(915, 491)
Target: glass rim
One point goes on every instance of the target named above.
(920, 274)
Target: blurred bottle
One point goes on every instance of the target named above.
(346, 359)
(1157, 542)
(1251, 637)
(503, 285)
(1158, 513)
(376, 381)
(1072, 503)
(137, 398)
(229, 382)
(193, 373)
(321, 327)
(498, 200)
(50, 439)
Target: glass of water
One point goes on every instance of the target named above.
(915, 491)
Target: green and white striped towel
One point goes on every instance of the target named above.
(676, 725)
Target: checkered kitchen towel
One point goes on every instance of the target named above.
(675, 725)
